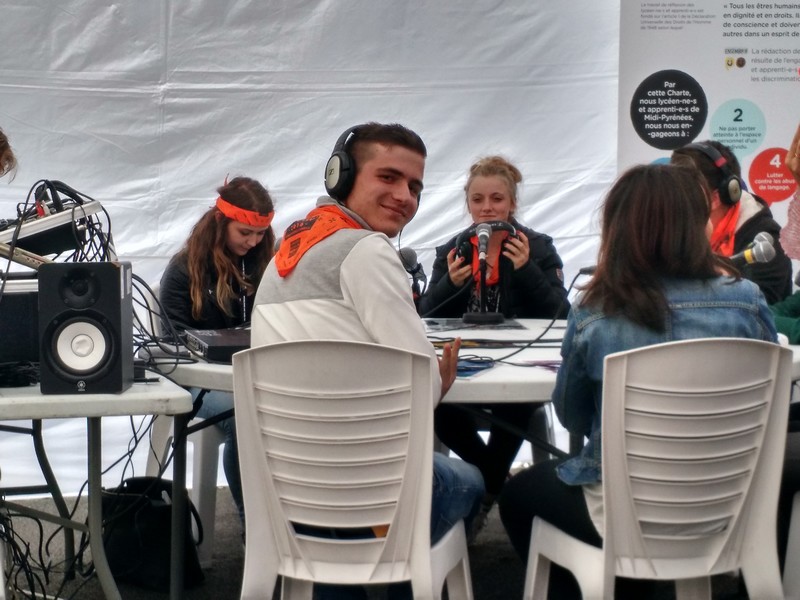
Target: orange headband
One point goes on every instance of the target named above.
(248, 217)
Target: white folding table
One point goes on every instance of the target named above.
(161, 397)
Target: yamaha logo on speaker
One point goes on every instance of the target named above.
(85, 327)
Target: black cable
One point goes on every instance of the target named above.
(14, 238)
(450, 298)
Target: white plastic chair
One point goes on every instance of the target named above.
(693, 442)
(205, 453)
(339, 435)
(791, 574)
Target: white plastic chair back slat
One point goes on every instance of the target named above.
(692, 447)
(322, 447)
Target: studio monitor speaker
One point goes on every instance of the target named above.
(85, 327)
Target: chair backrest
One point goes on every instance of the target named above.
(335, 435)
(149, 310)
(693, 440)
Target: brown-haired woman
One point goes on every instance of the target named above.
(657, 280)
(211, 282)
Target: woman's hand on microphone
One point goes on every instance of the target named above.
(458, 272)
(448, 365)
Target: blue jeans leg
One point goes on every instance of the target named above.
(215, 402)
(457, 492)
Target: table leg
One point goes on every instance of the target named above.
(58, 498)
(96, 512)
(179, 507)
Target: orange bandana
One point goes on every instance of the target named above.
(493, 277)
(300, 236)
(723, 237)
(242, 215)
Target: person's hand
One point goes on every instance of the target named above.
(458, 272)
(448, 364)
(793, 156)
(518, 250)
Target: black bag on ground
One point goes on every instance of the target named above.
(137, 524)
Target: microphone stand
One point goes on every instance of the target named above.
(483, 317)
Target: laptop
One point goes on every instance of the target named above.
(218, 345)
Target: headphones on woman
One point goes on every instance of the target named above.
(730, 188)
(464, 245)
(340, 170)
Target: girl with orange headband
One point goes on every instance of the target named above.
(211, 282)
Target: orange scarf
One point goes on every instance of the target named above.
(723, 237)
(493, 277)
(302, 235)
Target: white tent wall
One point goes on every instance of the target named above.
(147, 106)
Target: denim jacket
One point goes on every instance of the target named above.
(719, 307)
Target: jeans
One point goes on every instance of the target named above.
(457, 493)
(215, 402)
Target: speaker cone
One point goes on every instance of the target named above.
(81, 346)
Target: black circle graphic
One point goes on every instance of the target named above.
(669, 109)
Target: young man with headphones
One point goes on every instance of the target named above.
(738, 216)
(336, 275)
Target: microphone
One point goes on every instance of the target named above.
(758, 252)
(484, 232)
(587, 270)
(410, 263)
(763, 237)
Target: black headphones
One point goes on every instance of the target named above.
(340, 170)
(730, 188)
(464, 245)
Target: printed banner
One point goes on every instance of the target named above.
(728, 71)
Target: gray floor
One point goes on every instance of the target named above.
(497, 573)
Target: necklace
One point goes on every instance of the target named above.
(243, 294)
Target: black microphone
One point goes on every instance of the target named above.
(758, 252)
(587, 270)
(410, 263)
(412, 266)
(484, 232)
